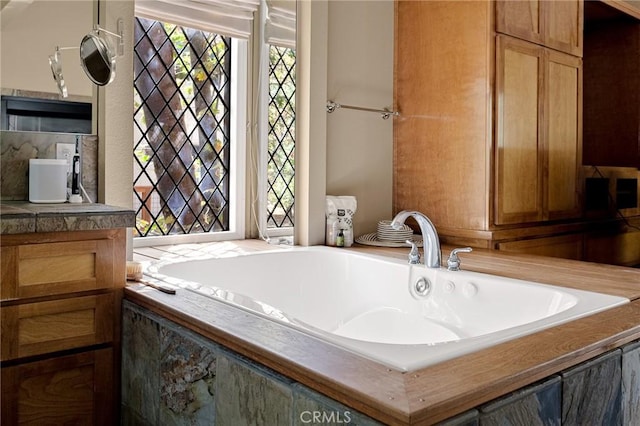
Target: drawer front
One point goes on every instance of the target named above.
(75, 389)
(44, 327)
(47, 269)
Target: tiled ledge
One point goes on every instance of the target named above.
(20, 217)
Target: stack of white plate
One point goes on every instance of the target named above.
(387, 233)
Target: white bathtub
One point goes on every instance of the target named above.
(368, 304)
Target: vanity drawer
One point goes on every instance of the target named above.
(71, 390)
(44, 327)
(34, 270)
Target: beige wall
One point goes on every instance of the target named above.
(360, 73)
(115, 108)
(30, 33)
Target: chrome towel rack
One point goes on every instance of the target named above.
(385, 113)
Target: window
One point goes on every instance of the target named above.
(190, 93)
(281, 137)
(182, 120)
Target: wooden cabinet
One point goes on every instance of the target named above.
(538, 132)
(616, 248)
(489, 133)
(564, 246)
(554, 24)
(61, 296)
(63, 390)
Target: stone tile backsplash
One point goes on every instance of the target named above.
(16, 148)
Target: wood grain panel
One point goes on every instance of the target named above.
(44, 327)
(519, 85)
(563, 29)
(72, 389)
(619, 249)
(563, 246)
(70, 267)
(70, 261)
(563, 140)
(522, 19)
(555, 24)
(58, 268)
(9, 271)
(442, 83)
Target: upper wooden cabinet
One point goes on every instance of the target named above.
(489, 134)
(538, 132)
(551, 23)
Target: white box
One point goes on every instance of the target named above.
(47, 180)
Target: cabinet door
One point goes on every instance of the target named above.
(563, 135)
(522, 19)
(563, 25)
(538, 133)
(550, 23)
(518, 160)
(75, 389)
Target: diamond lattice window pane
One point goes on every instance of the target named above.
(280, 165)
(182, 101)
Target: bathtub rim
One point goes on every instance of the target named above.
(411, 358)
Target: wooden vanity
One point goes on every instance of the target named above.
(61, 295)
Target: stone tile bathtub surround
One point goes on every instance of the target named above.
(535, 405)
(16, 148)
(591, 392)
(631, 384)
(172, 376)
(187, 379)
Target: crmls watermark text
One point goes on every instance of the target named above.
(325, 417)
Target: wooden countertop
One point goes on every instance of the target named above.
(431, 394)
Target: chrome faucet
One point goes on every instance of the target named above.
(453, 262)
(432, 255)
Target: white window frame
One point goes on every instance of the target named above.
(263, 142)
(237, 163)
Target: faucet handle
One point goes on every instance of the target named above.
(453, 262)
(414, 254)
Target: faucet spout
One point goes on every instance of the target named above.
(432, 257)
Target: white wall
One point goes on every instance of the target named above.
(30, 33)
(360, 73)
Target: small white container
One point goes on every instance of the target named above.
(47, 180)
